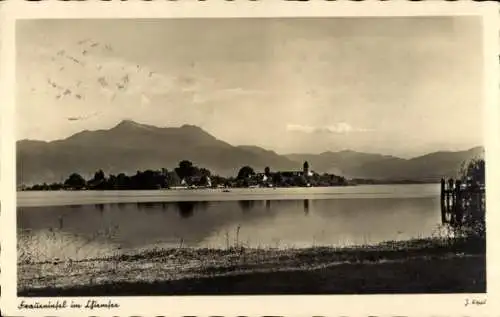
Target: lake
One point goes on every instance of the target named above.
(85, 224)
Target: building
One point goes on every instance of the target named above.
(285, 178)
(304, 172)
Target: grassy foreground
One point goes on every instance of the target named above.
(418, 266)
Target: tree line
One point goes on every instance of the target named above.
(189, 175)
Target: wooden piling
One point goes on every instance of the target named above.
(457, 204)
(443, 197)
(448, 195)
(443, 188)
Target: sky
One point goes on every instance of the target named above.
(399, 86)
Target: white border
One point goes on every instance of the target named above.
(347, 305)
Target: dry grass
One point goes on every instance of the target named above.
(171, 265)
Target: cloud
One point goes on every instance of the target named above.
(90, 72)
(71, 82)
(336, 128)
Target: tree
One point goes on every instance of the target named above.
(75, 181)
(99, 176)
(473, 202)
(99, 180)
(204, 180)
(173, 179)
(164, 171)
(148, 179)
(55, 186)
(473, 173)
(277, 179)
(185, 169)
(267, 171)
(299, 181)
(122, 181)
(204, 172)
(245, 172)
(111, 183)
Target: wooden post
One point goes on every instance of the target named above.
(450, 184)
(458, 203)
(443, 197)
(443, 187)
(449, 196)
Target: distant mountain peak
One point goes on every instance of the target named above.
(130, 146)
(128, 121)
(130, 124)
(134, 124)
(477, 149)
(191, 126)
(194, 129)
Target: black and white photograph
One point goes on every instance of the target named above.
(224, 156)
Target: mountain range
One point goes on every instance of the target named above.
(131, 146)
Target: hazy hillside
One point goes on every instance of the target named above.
(352, 164)
(430, 166)
(344, 162)
(131, 146)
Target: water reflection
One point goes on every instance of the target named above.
(246, 205)
(301, 222)
(268, 204)
(186, 208)
(149, 205)
(164, 206)
(145, 206)
(120, 206)
(99, 207)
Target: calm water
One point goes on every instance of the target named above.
(87, 224)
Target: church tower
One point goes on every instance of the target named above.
(305, 168)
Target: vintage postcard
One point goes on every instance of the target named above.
(250, 158)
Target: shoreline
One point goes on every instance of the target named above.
(180, 188)
(425, 265)
(61, 198)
